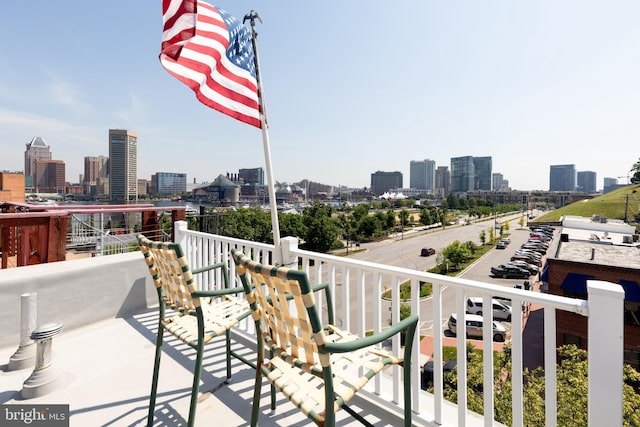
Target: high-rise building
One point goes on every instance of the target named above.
(422, 174)
(463, 174)
(252, 176)
(385, 181)
(36, 150)
(168, 183)
(470, 173)
(95, 169)
(123, 165)
(587, 181)
(498, 182)
(443, 181)
(483, 169)
(562, 178)
(49, 176)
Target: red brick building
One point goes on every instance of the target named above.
(595, 249)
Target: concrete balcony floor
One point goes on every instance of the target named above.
(107, 370)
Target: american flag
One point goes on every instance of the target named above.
(211, 52)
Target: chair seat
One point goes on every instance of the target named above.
(303, 384)
(219, 315)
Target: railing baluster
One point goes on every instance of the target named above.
(487, 359)
(516, 360)
(461, 343)
(551, 395)
(438, 333)
(395, 340)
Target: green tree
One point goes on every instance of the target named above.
(425, 217)
(369, 227)
(249, 224)
(292, 224)
(404, 217)
(360, 212)
(390, 220)
(452, 201)
(483, 237)
(521, 221)
(635, 169)
(442, 215)
(456, 253)
(321, 230)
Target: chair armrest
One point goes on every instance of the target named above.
(217, 292)
(338, 347)
(328, 299)
(222, 265)
(208, 267)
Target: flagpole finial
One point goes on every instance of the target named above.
(252, 16)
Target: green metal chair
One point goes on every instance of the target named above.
(319, 368)
(193, 316)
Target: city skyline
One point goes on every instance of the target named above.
(422, 174)
(531, 85)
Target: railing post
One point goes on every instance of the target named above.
(605, 357)
(181, 229)
(289, 246)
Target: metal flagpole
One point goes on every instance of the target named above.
(252, 16)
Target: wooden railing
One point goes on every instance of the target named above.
(36, 234)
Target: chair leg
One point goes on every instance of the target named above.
(407, 393)
(156, 371)
(228, 338)
(255, 407)
(196, 384)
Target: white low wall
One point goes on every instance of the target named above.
(75, 292)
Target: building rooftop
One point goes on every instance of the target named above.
(597, 252)
(599, 240)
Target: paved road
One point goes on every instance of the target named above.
(404, 251)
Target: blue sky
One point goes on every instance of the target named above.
(351, 87)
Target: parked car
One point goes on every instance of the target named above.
(474, 327)
(529, 253)
(540, 236)
(535, 262)
(534, 247)
(427, 372)
(500, 311)
(427, 251)
(545, 228)
(533, 269)
(510, 272)
(530, 256)
(539, 243)
(547, 231)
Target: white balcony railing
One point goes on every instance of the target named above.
(358, 286)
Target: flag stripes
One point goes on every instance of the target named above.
(211, 52)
